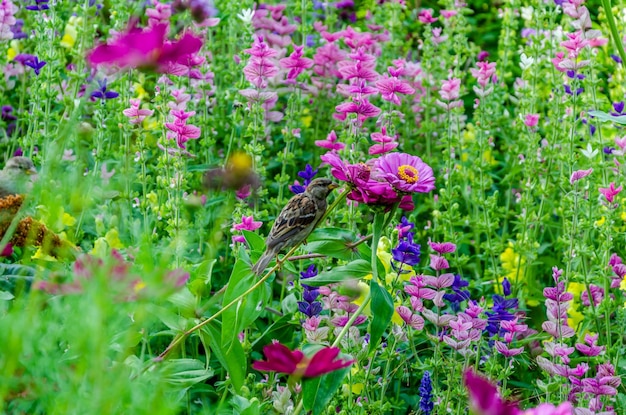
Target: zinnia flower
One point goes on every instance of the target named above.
(281, 359)
(406, 173)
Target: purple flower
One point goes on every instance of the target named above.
(616, 58)
(425, 393)
(579, 174)
(407, 252)
(484, 398)
(296, 63)
(31, 61)
(39, 5)
(103, 92)
(307, 174)
(405, 173)
(610, 192)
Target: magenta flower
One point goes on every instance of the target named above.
(248, 224)
(331, 142)
(405, 173)
(147, 48)
(389, 89)
(363, 110)
(260, 67)
(590, 347)
(484, 72)
(610, 192)
(7, 19)
(442, 247)
(565, 408)
(296, 63)
(282, 360)
(426, 16)
(531, 120)
(484, 398)
(182, 131)
(135, 114)
(387, 143)
(450, 89)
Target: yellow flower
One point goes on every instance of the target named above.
(68, 220)
(600, 221)
(574, 315)
(140, 91)
(514, 266)
(113, 239)
(306, 118)
(40, 254)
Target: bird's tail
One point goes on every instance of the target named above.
(261, 264)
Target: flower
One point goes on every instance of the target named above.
(135, 114)
(531, 120)
(363, 109)
(330, 142)
(248, 224)
(31, 61)
(610, 192)
(7, 19)
(148, 48)
(425, 393)
(102, 92)
(407, 252)
(387, 143)
(296, 63)
(484, 398)
(389, 89)
(579, 174)
(260, 67)
(39, 5)
(565, 408)
(281, 359)
(183, 132)
(405, 173)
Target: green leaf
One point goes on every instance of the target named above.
(603, 116)
(289, 304)
(351, 271)
(234, 359)
(185, 373)
(382, 311)
(240, 315)
(333, 242)
(255, 242)
(317, 392)
(6, 296)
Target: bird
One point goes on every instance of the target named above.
(296, 221)
(17, 177)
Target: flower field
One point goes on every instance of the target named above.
(307, 207)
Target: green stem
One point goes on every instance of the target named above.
(617, 39)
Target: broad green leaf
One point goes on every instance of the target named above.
(382, 311)
(234, 359)
(317, 392)
(333, 242)
(6, 296)
(290, 304)
(603, 116)
(351, 271)
(255, 242)
(185, 372)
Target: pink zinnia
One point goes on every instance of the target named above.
(405, 172)
(147, 48)
(281, 359)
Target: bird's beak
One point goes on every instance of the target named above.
(31, 172)
(333, 186)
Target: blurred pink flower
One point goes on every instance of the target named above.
(406, 173)
(426, 16)
(135, 114)
(579, 174)
(442, 247)
(531, 120)
(565, 408)
(146, 48)
(484, 398)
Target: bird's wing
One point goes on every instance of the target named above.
(299, 214)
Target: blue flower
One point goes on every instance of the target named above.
(458, 295)
(426, 394)
(39, 5)
(307, 174)
(35, 63)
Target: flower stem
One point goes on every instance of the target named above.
(617, 39)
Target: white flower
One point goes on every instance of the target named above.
(526, 61)
(527, 13)
(246, 16)
(589, 152)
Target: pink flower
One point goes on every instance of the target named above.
(565, 408)
(531, 120)
(484, 398)
(574, 44)
(610, 192)
(247, 223)
(556, 61)
(135, 114)
(363, 109)
(450, 89)
(386, 142)
(389, 89)
(442, 247)
(505, 351)
(147, 48)
(281, 359)
(448, 13)
(296, 63)
(182, 131)
(484, 72)
(405, 173)
(426, 16)
(260, 67)
(7, 19)
(7, 250)
(330, 142)
(579, 174)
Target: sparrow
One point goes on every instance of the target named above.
(296, 221)
(17, 177)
